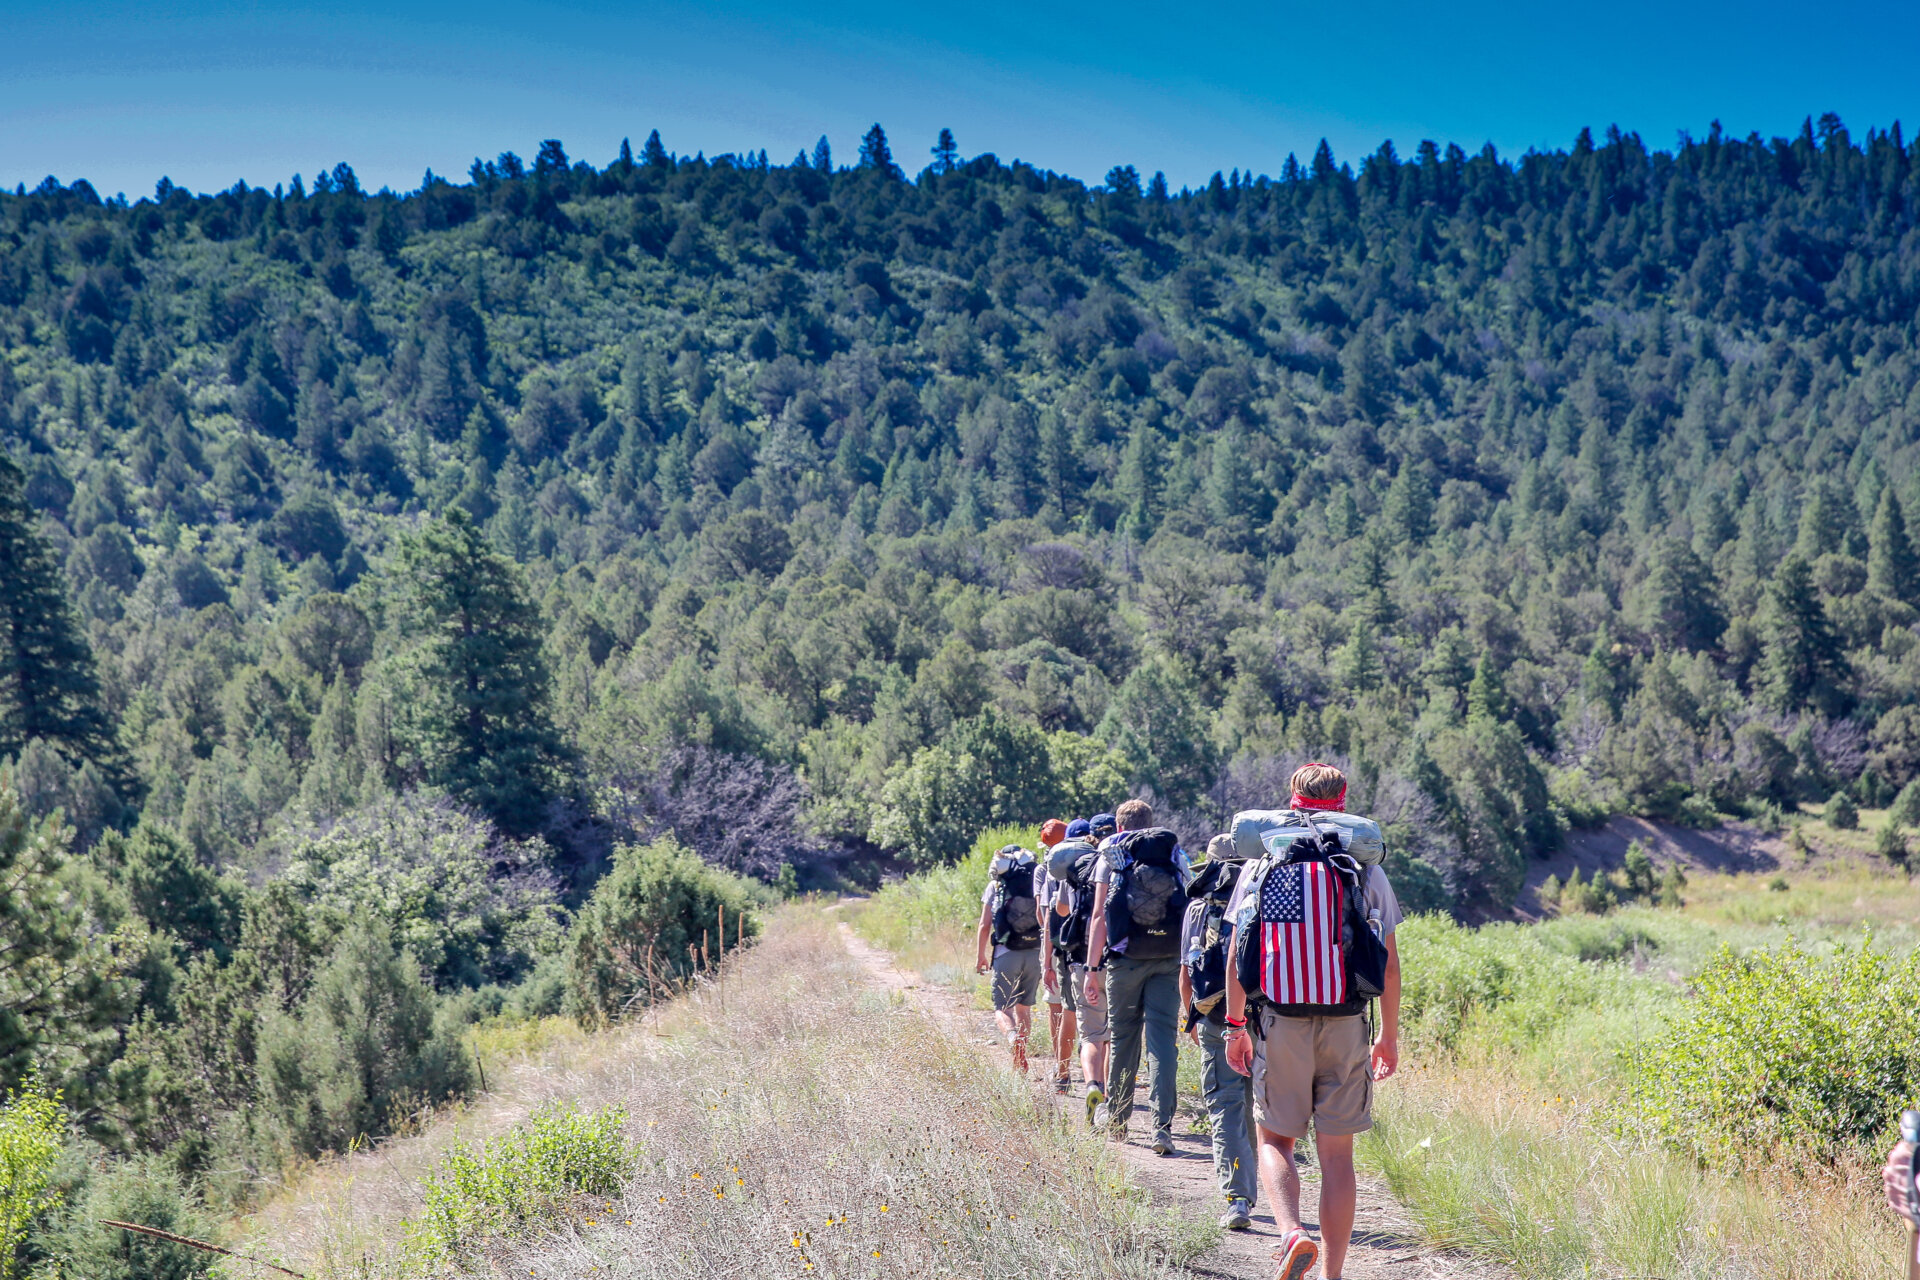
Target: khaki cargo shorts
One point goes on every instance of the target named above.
(1093, 1017)
(1312, 1070)
(1016, 978)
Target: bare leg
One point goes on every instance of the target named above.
(1338, 1194)
(1093, 1059)
(1280, 1180)
(1063, 1033)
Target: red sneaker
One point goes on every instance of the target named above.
(1297, 1254)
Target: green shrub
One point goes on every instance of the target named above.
(144, 1190)
(32, 1129)
(655, 918)
(1782, 1056)
(368, 1045)
(503, 1186)
(1841, 813)
(1891, 843)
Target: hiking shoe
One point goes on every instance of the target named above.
(1296, 1255)
(1103, 1122)
(1063, 1084)
(1096, 1103)
(1162, 1142)
(1239, 1215)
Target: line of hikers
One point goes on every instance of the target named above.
(1268, 954)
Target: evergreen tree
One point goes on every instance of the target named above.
(1893, 570)
(876, 155)
(822, 156)
(654, 153)
(48, 689)
(478, 688)
(946, 153)
(1802, 663)
(1682, 605)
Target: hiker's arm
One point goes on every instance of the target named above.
(1097, 944)
(1239, 1043)
(1047, 974)
(1186, 1003)
(1386, 1050)
(980, 943)
(1897, 1175)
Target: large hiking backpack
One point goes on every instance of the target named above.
(1266, 833)
(1070, 932)
(1212, 935)
(1304, 945)
(1016, 917)
(1148, 899)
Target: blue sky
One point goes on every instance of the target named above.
(208, 93)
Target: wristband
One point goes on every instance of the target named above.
(1236, 1022)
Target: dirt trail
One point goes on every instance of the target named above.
(1385, 1244)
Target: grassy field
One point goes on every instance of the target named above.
(1508, 1134)
(790, 1114)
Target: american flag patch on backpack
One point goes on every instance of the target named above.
(1301, 962)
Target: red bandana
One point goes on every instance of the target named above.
(1307, 802)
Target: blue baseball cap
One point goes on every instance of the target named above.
(1079, 828)
(1105, 821)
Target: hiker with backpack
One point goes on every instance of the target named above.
(1133, 949)
(1206, 939)
(1010, 923)
(1062, 1017)
(1066, 903)
(1314, 917)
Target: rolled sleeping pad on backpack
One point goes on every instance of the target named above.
(1260, 833)
(1061, 857)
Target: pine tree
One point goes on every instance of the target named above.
(823, 155)
(946, 153)
(1802, 663)
(1892, 568)
(654, 153)
(1682, 605)
(875, 154)
(48, 688)
(477, 684)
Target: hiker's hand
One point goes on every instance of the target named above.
(1052, 980)
(1896, 1176)
(980, 964)
(1093, 989)
(1193, 1033)
(1240, 1051)
(1386, 1058)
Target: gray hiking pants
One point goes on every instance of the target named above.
(1143, 1003)
(1229, 1099)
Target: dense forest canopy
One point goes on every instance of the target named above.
(1538, 489)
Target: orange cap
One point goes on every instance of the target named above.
(1052, 832)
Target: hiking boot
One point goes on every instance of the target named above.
(1162, 1143)
(1239, 1215)
(1296, 1256)
(1103, 1122)
(1063, 1084)
(1096, 1103)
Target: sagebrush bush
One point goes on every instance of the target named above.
(1783, 1057)
(482, 1193)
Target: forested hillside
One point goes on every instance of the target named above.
(814, 512)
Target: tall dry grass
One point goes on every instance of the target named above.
(800, 1117)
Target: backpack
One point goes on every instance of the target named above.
(1016, 918)
(1148, 899)
(1212, 935)
(1304, 946)
(1071, 931)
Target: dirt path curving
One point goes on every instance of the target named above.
(1385, 1244)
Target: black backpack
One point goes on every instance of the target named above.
(1147, 903)
(1207, 923)
(1016, 918)
(1070, 932)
